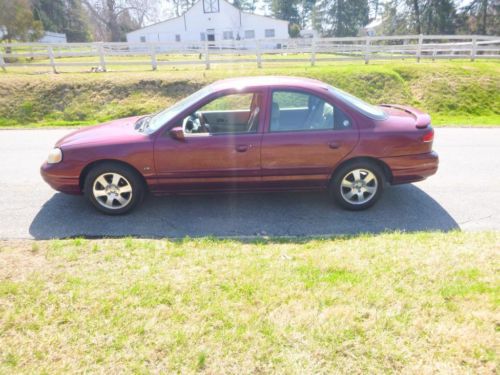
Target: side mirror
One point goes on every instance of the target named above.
(177, 133)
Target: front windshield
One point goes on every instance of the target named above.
(365, 108)
(161, 118)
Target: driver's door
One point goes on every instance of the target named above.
(223, 154)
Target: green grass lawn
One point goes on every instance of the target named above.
(410, 303)
(455, 93)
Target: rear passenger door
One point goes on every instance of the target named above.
(305, 138)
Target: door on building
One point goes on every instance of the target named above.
(211, 35)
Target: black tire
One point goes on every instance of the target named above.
(338, 192)
(129, 178)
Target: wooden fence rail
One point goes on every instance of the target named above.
(99, 56)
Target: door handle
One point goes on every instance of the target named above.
(242, 148)
(334, 145)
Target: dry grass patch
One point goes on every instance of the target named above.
(411, 303)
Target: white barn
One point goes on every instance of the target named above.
(212, 21)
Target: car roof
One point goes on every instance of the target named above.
(268, 81)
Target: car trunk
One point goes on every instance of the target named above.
(421, 119)
(410, 129)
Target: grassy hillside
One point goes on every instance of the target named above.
(416, 303)
(455, 93)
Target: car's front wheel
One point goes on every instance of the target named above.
(357, 185)
(113, 189)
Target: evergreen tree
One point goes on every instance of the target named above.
(420, 17)
(285, 10)
(245, 5)
(340, 17)
(439, 17)
(77, 28)
(481, 17)
(63, 16)
(51, 13)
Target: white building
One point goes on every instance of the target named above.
(51, 37)
(47, 37)
(373, 28)
(213, 21)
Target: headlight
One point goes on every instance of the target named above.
(55, 156)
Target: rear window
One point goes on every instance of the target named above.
(367, 109)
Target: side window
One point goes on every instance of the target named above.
(300, 111)
(229, 102)
(232, 113)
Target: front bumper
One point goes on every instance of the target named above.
(412, 168)
(55, 177)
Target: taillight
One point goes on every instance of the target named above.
(429, 136)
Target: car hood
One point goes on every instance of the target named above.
(109, 132)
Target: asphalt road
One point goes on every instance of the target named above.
(464, 194)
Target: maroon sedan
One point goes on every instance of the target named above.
(248, 134)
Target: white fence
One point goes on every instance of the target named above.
(100, 56)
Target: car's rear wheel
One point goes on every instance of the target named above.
(357, 185)
(113, 189)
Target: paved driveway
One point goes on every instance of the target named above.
(464, 194)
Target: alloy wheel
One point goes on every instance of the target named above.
(112, 191)
(359, 186)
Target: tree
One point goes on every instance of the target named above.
(50, 12)
(305, 10)
(63, 16)
(284, 10)
(17, 20)
(340, 17)
(375, 6)
(481, 17)
(179, 7)
(416, 15)
(107, 15)
(245, 5)
(420, 17)
(294, 30)
(77, 26)
(439, 17)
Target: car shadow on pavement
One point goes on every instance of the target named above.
(404, 208)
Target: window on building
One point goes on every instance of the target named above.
(211, 6)
(177, 37)
(227, 35)
(269, 33)
(249, 34)
(203, 37)
(143, 39)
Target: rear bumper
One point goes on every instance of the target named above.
(412, 168)
(51, 175)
